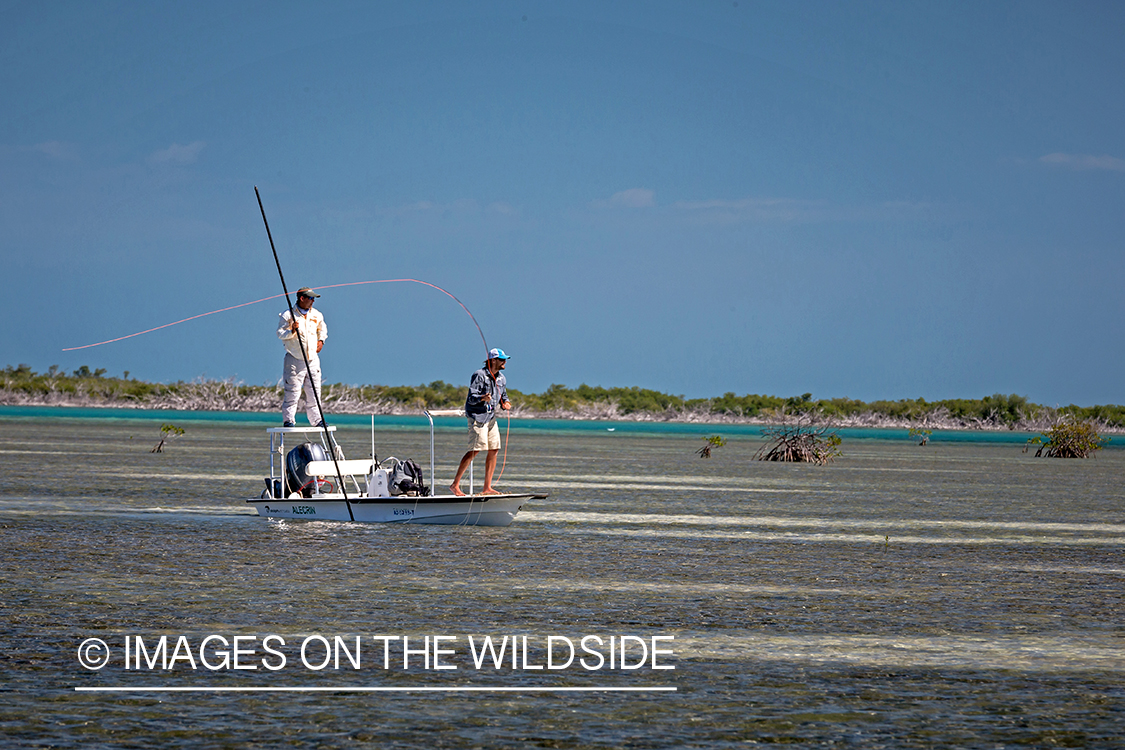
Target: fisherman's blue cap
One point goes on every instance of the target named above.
(497, 354)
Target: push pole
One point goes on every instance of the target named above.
(305, 355)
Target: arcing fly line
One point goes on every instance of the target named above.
(276, 296)
(285, 294)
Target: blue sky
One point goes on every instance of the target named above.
(871, 200)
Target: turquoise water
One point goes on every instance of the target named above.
(964, 594)
(520, 425)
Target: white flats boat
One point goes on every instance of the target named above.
(308, 483)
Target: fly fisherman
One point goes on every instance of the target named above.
(310, 327)
(487, 389)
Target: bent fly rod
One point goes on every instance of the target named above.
(304, 354)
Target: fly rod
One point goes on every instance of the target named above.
(305, 355)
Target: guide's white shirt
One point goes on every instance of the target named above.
(310, 327)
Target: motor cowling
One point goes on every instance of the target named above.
(296, 480)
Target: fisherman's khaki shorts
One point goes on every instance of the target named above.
(484, 437)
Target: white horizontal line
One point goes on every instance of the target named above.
(880, 525)
(286, 689)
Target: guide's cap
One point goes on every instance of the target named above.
(306, 292)
(497, 354)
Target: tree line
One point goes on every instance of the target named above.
(22, 384)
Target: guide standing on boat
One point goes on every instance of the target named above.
(487, 389)
(307, 323)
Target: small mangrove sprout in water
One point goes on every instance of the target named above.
(921, 435)
(807, 441)
(167, 432)
(1068, 439)
(711, 441)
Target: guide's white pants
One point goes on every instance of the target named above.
(297, 378)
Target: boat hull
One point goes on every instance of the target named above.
(492, 510)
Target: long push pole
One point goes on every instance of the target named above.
(305, 355)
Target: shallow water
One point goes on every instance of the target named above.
(958, 594)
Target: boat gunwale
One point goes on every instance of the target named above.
(406, 500)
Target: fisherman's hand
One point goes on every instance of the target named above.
(505, 404)
(486, 397)
(319, 346)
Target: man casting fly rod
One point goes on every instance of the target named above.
(487, 388)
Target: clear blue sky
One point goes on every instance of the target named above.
(862, 199)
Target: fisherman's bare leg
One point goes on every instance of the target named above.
(489, 470)
(467, 459)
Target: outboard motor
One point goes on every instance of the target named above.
(296, 460)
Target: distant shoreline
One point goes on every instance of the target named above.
(20, 385)
(258, 401)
